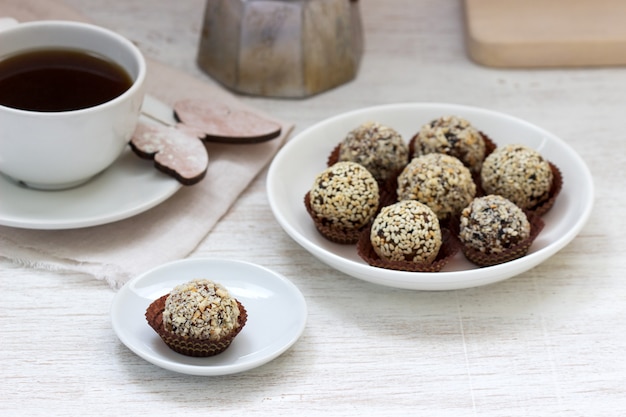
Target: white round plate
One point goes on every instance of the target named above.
(294, 168)
(128, 187)
(276, 315)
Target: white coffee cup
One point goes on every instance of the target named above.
(62, 149)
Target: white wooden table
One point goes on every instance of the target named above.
(548, 342)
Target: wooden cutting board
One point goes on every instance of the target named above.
(546, 33)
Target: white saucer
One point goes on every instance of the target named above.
(294, 168)
(276, 315)
(128, 187)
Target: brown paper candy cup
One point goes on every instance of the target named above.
(557, 184)
(333, 158)
(449, 248)
(185, 345)
(330, 232)
(490, 145)
(389, 190)
(521, 249)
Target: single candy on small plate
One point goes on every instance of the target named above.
(276, 314)
(197, 318)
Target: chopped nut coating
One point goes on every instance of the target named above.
(378, 148)
(517, 173)
(440, 181)
(453, 136)
(492, 224)
(200, 309)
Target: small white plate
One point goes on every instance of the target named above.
(276, 315)
(294, 168)
(128, 187)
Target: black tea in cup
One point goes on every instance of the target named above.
(54, 80)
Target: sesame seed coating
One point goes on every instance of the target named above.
(200, 309)
(406, 231)
(440, 181)
(492, 224)
(378, 148)
(519, 174)
(453, 136)
(345, 195)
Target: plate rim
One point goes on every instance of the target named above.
(212, 370)
(446, 280)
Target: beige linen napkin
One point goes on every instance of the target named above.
(118, 251)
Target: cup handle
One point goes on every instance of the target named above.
(7, 22)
